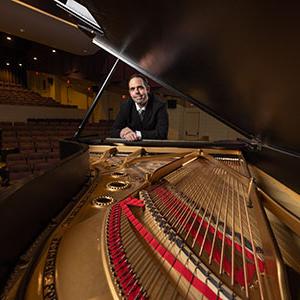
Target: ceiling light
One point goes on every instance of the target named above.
(85, 51)
(8, 38)
(53, 51)
(35, 58)
(8, 64)
(20, 65)
(22, 30)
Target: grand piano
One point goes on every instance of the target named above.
(173, 219)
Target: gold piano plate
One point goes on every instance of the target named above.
(186, 225)
(117, 185)
(101, 201)
(118, 174)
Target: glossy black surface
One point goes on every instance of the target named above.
(26, 209)
(283, 167)
(238, 60)
(173, 143)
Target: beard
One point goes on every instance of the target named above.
(141, 100)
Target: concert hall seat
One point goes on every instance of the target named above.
(19, 175)
(35, 159)
(26, 139)
(9, 133)
(6, 125)
(54, 142)
(23, 132)
(16, 159)
(26, 147)
(10, 143)
(37, 132)
(52, 157)
(64, 133)
(19, 171)
(43, 145)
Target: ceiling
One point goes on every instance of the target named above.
(42, 22)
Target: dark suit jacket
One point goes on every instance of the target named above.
(154, 125)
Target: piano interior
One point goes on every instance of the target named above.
(163, 223)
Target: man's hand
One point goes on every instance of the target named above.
(129, 135)
(125, 131)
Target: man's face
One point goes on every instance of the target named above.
(138, 91)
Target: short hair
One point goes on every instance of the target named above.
(138, 75)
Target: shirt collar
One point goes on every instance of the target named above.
(139, 109)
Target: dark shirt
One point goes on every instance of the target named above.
(155, 121)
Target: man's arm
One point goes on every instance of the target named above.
(120, 127)
(160, 132)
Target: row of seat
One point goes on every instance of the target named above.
(33, 123)
(9, 84)
(38, 142)
(18, 95)
(22, 131)
(29, 145)
(23, 164)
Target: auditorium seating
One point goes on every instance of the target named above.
(16, 94)
(38, 142)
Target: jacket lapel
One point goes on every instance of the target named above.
(148, 112)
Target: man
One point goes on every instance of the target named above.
(142, 116)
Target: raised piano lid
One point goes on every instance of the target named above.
(239, 61)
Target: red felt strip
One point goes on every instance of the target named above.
(122, 268)
(178, 266)
(165, 195)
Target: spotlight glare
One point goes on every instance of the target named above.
(8, 64)
(8, 38)
(20, 65)
(35, 58)
(53, 51)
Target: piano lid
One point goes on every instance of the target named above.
(237, 60)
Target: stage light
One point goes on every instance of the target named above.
(8, 38)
